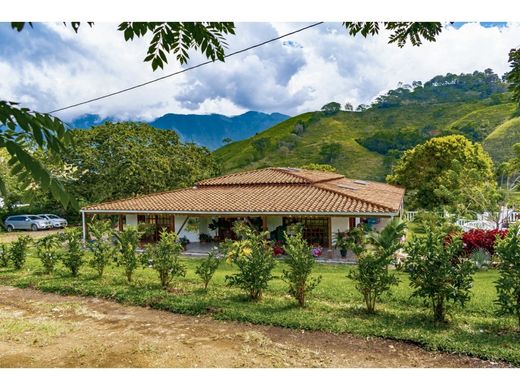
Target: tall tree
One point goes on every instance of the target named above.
(444, 171)
(117, 160)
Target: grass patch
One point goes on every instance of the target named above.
(335, 306)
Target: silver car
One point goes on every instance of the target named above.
(56, 221)
(26, 222)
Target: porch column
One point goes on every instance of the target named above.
(120, 222)
(84, 226)
(264, 223)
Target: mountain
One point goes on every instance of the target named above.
(364, 144)
(210, 130)
(205, 130)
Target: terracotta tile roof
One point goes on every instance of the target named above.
(271, 190)
(271, 176)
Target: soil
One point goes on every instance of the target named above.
(48, 330)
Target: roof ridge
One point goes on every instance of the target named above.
(233, 174)
(355, 197)
(286, 170)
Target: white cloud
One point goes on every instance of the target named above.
(56, 67)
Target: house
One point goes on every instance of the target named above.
(272, 199)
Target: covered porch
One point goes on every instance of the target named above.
(202, 232)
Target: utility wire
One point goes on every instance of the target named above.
(183, 70)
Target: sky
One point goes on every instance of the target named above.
(50, 66)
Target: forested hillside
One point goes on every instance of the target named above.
(365, 142)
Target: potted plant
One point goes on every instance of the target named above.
(184, 242)
(342, 242)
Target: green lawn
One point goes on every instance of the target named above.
(335, 306)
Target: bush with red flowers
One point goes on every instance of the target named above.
(481, 239)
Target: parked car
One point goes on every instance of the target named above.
(56, 221)
(26, 222)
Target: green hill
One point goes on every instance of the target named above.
(499, 142)
(370, 140)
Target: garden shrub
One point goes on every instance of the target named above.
(508, 284)
(128, 258)
(4, 255)
(437, 272)
(372, 276)
(253, 256)
(300, 262)
(482, 239)
(48, 249)
(103, 251)
(18, 251)
(73, 255)
(206, 269)
(164, 257)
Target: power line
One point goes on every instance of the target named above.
(183, 70)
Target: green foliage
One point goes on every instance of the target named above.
(73, 257)
(437, 272)
(207, 267)
(508, 285)
(4, 255)
(119, 160)
(260, 145)
(402, 139)
(179, 38)
(372, 275)
(330, 152)
(402, 32)
(48, 249)
(128, 258)
(372, 278)
(444, 171)
(253, 256)
(301, 263)
(18, 251)
(103, 251)
(163, 257)
(319, 167)
(22, 131)
(513, 76)
(331, 108)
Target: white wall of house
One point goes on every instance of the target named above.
(204, 226)
(131, 219)
(339, 223)
(192, 236)
(273, 221)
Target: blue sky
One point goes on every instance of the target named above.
(50, 66)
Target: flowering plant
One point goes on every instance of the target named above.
(317, 251)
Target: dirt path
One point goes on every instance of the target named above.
(47, 330)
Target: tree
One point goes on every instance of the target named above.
(73, 257)
(128, 258)
(329, 152)
(444, 171)
(207, 268)
(118, 160)
(331, 108)
(103, 251)
(18, 251)
(300, 262)
(362, 107)
(348, 107)
(164, 257)
(372, 275)
(437, 273)
(253, 256)
(508, 284)
(319, 167)
(260, 145)
(48, 249)
(227, 140)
